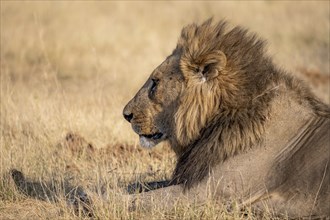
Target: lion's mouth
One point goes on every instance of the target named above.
(151, 140)
(155, 136)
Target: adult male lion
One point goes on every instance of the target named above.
(241, 128)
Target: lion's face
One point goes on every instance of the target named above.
(183, 93)
(176, 101)
(151, 111)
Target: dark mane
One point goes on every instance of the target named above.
(246, 88)
(241, 47)
(247, 63)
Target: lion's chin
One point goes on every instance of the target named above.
(149, 141)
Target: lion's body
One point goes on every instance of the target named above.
(242, 129)
(289, 171)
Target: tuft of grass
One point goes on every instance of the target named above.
(70, 67)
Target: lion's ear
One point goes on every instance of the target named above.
(213, 64)
(208, 66)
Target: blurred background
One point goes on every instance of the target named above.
(71, 66)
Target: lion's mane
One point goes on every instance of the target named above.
(226, 115)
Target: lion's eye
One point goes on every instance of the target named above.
(153, 86)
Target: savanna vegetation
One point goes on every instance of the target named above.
(68, 69)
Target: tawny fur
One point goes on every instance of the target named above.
(220, 101)
(236, 102)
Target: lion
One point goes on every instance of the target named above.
(242, 129)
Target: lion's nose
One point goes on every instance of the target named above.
(128, 116)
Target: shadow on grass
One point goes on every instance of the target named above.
(146, 187)
(75, 196)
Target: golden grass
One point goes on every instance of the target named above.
(72, 66)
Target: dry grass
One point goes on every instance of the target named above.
(72, 66)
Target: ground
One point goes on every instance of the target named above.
(70, 67)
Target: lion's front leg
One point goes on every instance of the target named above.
(167, 198)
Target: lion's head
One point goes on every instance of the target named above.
(207, 73)
(151, 111)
